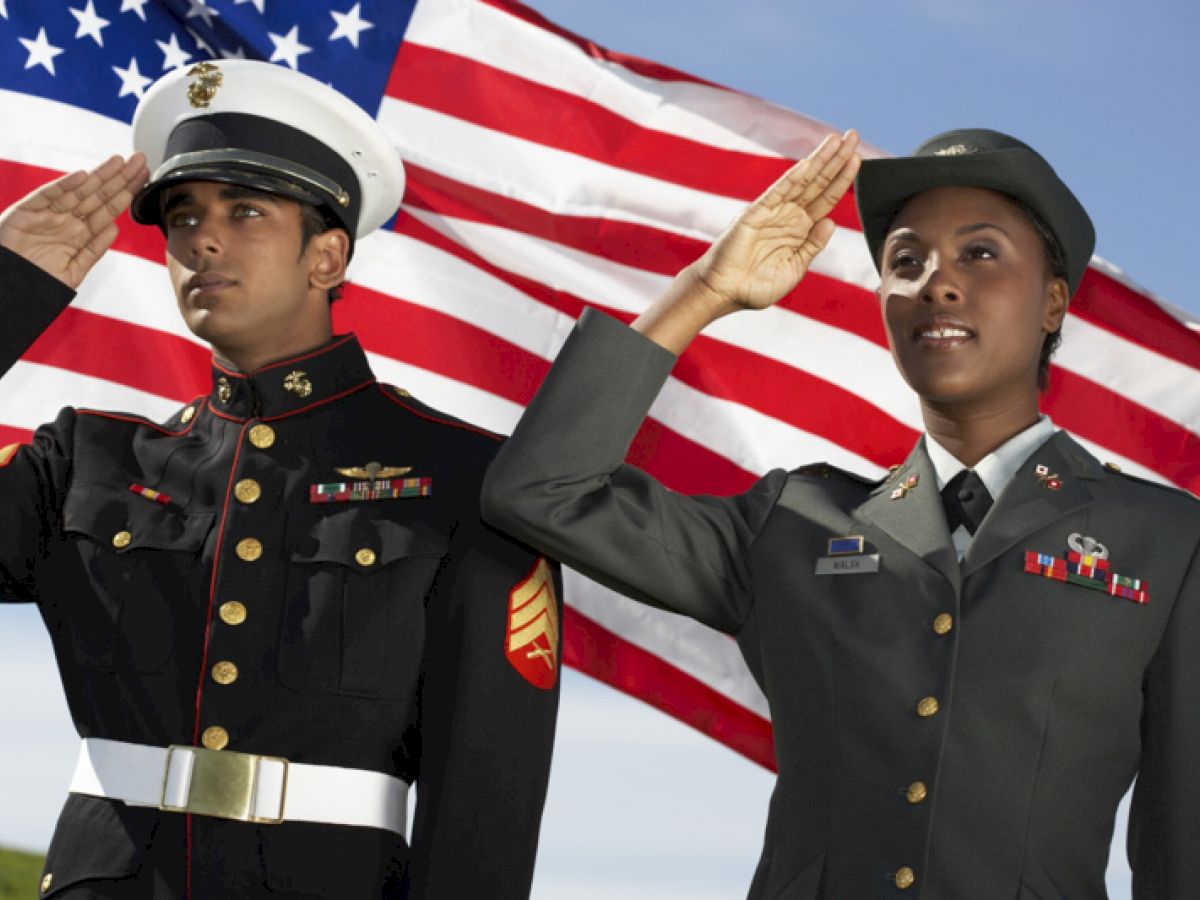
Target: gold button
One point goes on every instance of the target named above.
(232, 612)
(262, 436)
(122, 539)
(916, 792)
(365, 557)
(47, 880)
(905, 878)
(247, 490)
(249, 549)
(943, 624)
(225, 672)
(927, 707)
(215, 737)
(186, 415)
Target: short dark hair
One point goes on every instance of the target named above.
(1056, 267)
(314, 221)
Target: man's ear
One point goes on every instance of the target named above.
(1058, 296)
(330, 253)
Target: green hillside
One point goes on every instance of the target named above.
(19, 874)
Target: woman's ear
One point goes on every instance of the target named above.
(1058, 297)
(330, 253)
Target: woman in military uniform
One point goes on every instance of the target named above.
(967, 662)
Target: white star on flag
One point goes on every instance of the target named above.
(174, 56)
(4, 8)
(135, 6)
(132, 81)
(349, 25)
(201, 43)
(258, 4)
(201, 9)
(41, 51)
(90, 24)
(239, 53)
(288, 47)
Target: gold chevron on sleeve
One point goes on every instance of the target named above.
(533, 614)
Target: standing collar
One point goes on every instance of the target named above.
(996, 469)
(291, 385)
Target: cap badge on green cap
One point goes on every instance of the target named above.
(954, 150)
(204, 88)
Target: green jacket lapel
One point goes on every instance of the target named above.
(1029, 503)
(914, 517)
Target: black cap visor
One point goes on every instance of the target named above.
(885, 185)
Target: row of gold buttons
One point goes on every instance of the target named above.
(233, 612)
(918, 791)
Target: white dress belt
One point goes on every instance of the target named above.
(241, 786)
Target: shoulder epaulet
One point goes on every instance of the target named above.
(405, 399)
(825, 470)
(1114, 469)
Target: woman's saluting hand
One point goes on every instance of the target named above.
(764, 253)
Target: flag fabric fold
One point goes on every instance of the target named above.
(545, 174)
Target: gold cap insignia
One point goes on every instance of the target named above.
(297, 382)
(532, 642)
(204, 88)
(373, 471)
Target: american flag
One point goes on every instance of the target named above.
(545, 173)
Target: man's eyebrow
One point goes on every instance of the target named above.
(176, 199)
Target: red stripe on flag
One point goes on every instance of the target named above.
(595, 650)
(732, 373)
(1139, 434)
(638, 246)
(501, 101)
(124, 353)
(1104, 301)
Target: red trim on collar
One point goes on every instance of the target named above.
(290, 413)
(322, 401)
(465, 426)
(319, 351)
(292, 360)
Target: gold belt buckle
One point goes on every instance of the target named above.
(223, 784)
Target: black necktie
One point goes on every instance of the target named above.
(966, 501)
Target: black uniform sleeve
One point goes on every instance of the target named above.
(31, 301)
(560, 483)
(1164, 820)
(486, 730)
(31, 476)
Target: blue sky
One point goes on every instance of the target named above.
(641, 807)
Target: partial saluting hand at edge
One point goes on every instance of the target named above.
(764, 253)
(65, 226)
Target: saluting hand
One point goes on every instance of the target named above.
(763, 255)
(65, 226)
(768, 248)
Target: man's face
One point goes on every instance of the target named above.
(240, 278)
(966, 297)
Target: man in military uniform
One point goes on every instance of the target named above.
(966, 662)
(277, 610)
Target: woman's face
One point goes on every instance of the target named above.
(967, 298)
